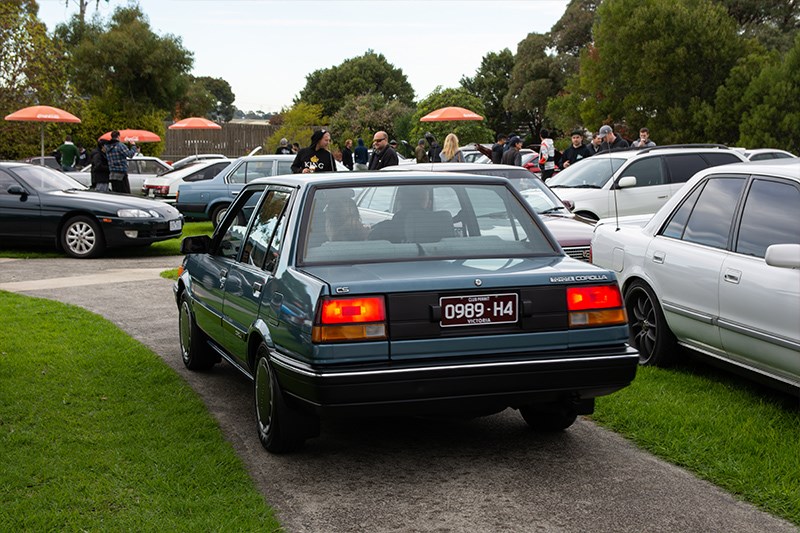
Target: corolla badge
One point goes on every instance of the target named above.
(478, 283)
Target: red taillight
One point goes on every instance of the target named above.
(595, 305)
(351, 319)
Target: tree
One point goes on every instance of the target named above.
(773, 22)
(82, 6)
(207, 97)
(537, 76)
(467, 131)
(220, 89)
(370, 73)
(363, 115)
(490, 84)
(573, 31)
(297, 125)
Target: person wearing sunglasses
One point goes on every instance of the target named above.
(383, 155)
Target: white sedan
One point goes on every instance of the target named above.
(140, 167)
(716, 270)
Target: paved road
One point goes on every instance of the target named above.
(403, 474)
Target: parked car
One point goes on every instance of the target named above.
(572, 232)
(140, 168)
(422, 312)
(41, 205)
(716, 270)
(49, 161)
(763, 154)
(180, 163)
(634, 182)
(165, 187)
(210, 199)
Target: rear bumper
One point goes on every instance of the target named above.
(449, 386)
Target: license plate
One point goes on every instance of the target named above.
(175, 225)
(151, 193)
(478, 310)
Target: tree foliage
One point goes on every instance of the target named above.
(297, 125)
(467, 131)
(363, 115)
(490, 84)
(775, 23)
(207, 97)
(371, 73)
(573, 31)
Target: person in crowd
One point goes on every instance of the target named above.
(295, 148)
(498, 148)
(644, 139)
(118, 154)
(420, 153)
(512, 155)
(576, 151)
(83, 157)
(383, 155)
(450, 153)
(507, 146)
(611, 141)
(594, 145)
(433, 148)
(393, 144)
(361, 155)
(547, 155)
(315, 157)
(347, 154)
(283, 147)
(100, 170)
(69, 154)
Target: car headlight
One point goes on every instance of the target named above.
(136, 213)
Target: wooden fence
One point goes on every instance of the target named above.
(233, 140)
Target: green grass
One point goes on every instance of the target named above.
(168, 247)
(170, 274)
(98, 434)
(735, 434)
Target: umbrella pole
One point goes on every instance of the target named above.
(42, 160)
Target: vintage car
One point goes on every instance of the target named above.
(469, 308)
(716, 270)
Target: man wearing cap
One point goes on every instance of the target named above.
(512, 155)
(420, 152)
(575, 152)
(611, 141)
(315, 157)
(497, 149)
(118, 154)
(383, 155)
(283, 148)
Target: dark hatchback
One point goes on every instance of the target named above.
(463, 309)
(43, 206)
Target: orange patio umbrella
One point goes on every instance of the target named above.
(136, 136)
(195, 123)
(42, 113)
(450, 113)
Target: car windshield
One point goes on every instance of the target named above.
(410, 222)
(44, 179)
(536, 193)
(591, 173)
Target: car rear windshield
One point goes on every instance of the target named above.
(410, 222)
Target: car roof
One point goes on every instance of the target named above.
(450, 167)
(668, 149)
(784, 168)
(361, 179)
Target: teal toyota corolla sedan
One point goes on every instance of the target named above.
(453, 298)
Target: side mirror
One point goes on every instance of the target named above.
(626, 182)
(199, 244)
(783, 255)
(18, 191)
(569, 204)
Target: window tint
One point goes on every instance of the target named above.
(284, 167)
(684, 166)
(770, 217)
(232, 231)
(679, 218)
(711, 219)
(6, 181)
(149, 167)
(715, 159)
(258, 169)
(647, 172)
(257, 245)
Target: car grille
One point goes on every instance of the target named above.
(581, 253)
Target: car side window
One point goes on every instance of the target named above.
(149, 167)
(276, 244)
(6, 181)
(258, 169)
(238, 175)
(681, 167)
(680, 216)
(231, 233)
(711, 219)
(648, 172)
(257, 248)
(284, 167)
(721, 158)
(769, 217)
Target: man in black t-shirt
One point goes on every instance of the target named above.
(498, 149)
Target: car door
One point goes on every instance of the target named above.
(685, 259)
(251, 273)
(650, 192)
(760, 304)
(20, 215)
(210, 274)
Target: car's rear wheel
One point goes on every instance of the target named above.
(649, 332)
(218, 213)
(549, 417)
(280, 428)
(195, 351)
(82, 238)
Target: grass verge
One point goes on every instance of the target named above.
(168, 247)
(735, 434)
(98, 434)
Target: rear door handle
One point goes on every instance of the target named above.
(658, 257)
(732, 276)
(257, 286)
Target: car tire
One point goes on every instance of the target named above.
(649, 332)
(280, 428)
(195, 351)
(82, 238)
(218, 213)
(549, 417)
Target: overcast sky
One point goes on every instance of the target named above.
(265, 49)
